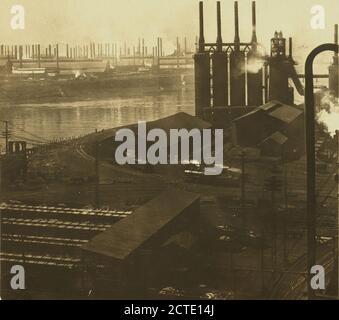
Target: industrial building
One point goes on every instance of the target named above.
(154, 244)
(272, 124)
(229, 76)
(106, 139)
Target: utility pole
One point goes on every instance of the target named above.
(243, 181)
(6, 135)
(97, 177)
(286, 208)
(274, 185)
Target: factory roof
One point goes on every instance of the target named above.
(127, 235)
(277, 110)
(276, 137)
(286, 113)
(179, 120)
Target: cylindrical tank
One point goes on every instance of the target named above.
(220, 79)
(254, 79)
(279, 72)
(202, 82)
(278, 80)
(237, 78)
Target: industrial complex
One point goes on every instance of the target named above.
(85, 227)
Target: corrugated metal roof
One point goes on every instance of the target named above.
(270, 105)
(277, 137)
(276, 110)
(129, 234)
(286, 113)
(179, 120)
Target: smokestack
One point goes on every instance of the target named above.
(336, 42)
(178, 47)
(57, 56)
(236, 22)
(219, 38)
(39, 58)
(290, 48)
(21, 51)
(201, 25)
(158, 47)
(254, 25)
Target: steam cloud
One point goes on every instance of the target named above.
(329, 114)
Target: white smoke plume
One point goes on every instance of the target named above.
(329, 113)
(254, 64)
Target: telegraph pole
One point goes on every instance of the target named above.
(273, 184)
(97, 177)
(6, 135)
(286, 208)
(243, 181)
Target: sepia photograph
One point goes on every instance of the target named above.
(169, 150)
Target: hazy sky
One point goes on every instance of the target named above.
(80, 21)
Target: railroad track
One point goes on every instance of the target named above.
(54, 223)
(63, 210)
(44, 260)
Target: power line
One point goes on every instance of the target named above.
(31, 134)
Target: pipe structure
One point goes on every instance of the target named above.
(310, 160)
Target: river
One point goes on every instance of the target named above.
(37, 122)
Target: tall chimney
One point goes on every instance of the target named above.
(39, 56)
(201, 25)
(335, 58)
(57, 56)
(290, 48)
(21, 49)
(254, 27)
(236, 22)
(158, 47)
(219, 37)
